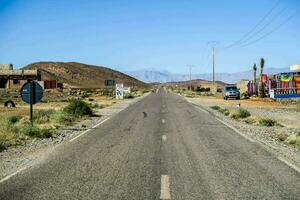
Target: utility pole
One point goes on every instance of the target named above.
(213, 64)
(190, 68)
(213, 43)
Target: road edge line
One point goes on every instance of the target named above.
(13, 174)
(95, 126)
(265, 145)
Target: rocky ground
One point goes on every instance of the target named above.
(288, 116)
(33, 151)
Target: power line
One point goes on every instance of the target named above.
(265, 26)
(273, 30)
(253, 29)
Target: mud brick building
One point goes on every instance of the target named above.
(14, 79)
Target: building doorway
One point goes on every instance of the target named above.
(3, 83)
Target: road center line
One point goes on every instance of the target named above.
(13, 174)
(165, 187)
(81, 134)
(163, 121)
(164, 137)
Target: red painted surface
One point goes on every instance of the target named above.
(50, 84)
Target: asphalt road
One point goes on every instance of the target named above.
(160, 147)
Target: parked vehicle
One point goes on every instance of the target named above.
(231, 91)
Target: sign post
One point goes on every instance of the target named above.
(119, 91)
(31, 93)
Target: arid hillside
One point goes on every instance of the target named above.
(197, 83)
(80, 75)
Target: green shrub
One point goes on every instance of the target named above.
(36, 132)
(226, 112)
(43, 116)
(64, 118)
(3, 145)
(31, 131)
(249, 121)
(244, 95)
(128, 96)
(13, 119)
(222, 110)
(10, 126)
(46, 133)
(267, 122)
(94, 105)
(207, 89)
(78, 108)
(85, 95)
(241, 113)
(215, 107)
(282, 136)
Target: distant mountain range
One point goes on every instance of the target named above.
(151, 76)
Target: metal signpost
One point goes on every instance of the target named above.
(119, 91)
(31, 93)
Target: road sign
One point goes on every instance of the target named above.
(31, 93)
(119, 91)
(37, 92)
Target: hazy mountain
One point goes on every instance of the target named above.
(149, 75)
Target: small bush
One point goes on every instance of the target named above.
(128, 96)
(215, 107)
(282, 136)
(207, 89)
(241, 113)
(94, 105)
(64, 118)
(3, 145)
(198, 89)
(244, 95)
(43, 116)
(267, 122)
(78, 108)
(226, 113)
(249, 121)
(13, 119)
(36, 132)
(31, 131)
(85, 95)
(222, 110)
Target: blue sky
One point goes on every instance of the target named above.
(162, 34)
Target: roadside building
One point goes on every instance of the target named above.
(243, 85)
(14, 79)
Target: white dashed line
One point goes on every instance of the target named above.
(13, 174)
(164, 137)
(81, 134)
(165, 187)
(163, 121)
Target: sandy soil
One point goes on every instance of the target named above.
(287, 115)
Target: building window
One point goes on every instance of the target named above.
(16, 81)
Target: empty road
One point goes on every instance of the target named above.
(161, 147)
